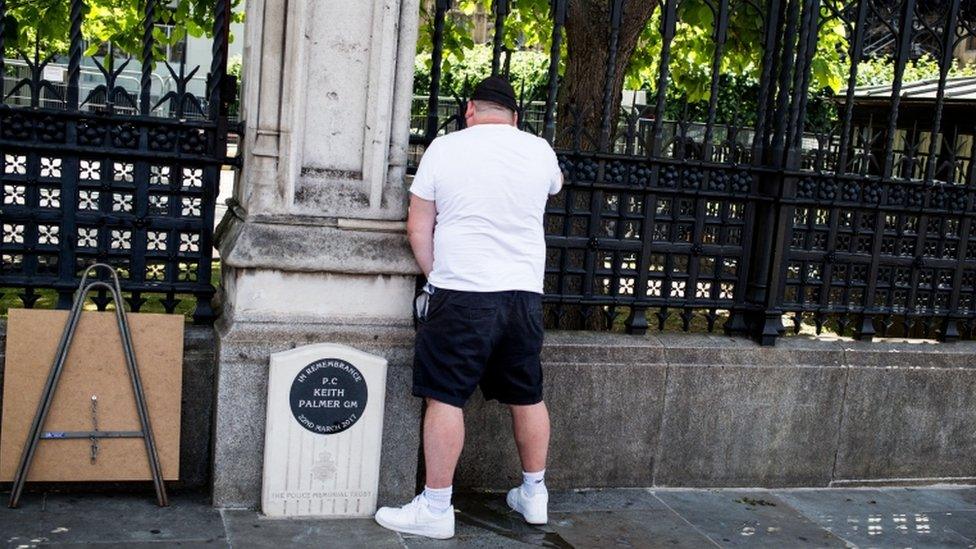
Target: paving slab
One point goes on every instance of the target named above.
(884, 518)
(129, 545)
(643, 529)
(483, 519)
(466, 542)
(53, 519)
(249, 529)
(639, 518)
(960, 522)
(625, 499)
(945, 498)
(747, 518)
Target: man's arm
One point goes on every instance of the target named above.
(562, 181)
(556, 178)
(420, 231)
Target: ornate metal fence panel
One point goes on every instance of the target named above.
(113, 173)
(652, 219)
(693, 217)
(879, 232)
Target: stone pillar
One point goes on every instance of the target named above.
(313, 248)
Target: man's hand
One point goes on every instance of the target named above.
(420, 231)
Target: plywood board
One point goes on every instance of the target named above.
(95, 366)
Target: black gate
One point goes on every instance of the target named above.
(675, 217)
(100, 163)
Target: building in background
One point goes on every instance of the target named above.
(182, 59)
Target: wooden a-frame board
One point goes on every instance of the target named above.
(95, 366)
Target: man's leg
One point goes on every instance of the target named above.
(443, 440)
(531, 427)
(429, 514)
(452, 348)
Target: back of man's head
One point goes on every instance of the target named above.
(492, 101)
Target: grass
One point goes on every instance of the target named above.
(47, 299)
(697, 324)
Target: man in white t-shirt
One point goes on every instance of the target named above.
(475, 226)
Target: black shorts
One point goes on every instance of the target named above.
(486, 339)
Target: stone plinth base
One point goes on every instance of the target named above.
(244, 349)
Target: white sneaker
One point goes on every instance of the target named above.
(417, 518)
(535, 508)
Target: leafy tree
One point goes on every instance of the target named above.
(47, 24)
(585, 51)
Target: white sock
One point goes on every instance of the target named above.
(534, 483)
(438, 499)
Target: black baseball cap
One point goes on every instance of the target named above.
(497, 90)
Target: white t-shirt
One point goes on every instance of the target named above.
(489, 183)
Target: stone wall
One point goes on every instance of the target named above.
(690, 410)
(197, 402)
(664, 410)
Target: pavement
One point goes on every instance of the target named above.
(938, 516)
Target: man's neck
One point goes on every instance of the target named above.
(491, 121)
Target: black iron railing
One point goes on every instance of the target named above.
(685, 221)
(113, 175)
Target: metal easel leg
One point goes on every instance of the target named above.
(130, 361)
(47, 396)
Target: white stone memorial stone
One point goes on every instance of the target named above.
(324, 431)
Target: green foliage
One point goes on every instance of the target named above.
(528, 34)
(527, 27)
(528, 72)
(235, 66)
(881, 70)
(738, 103)
(117, 21)
(692, 50)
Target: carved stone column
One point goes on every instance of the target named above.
(313, 248)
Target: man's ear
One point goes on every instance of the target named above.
(469, 109)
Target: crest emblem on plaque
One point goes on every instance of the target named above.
(324, 468)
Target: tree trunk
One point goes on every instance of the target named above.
(581, 94)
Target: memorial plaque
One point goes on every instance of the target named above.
(324, 431)
(328, 396)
